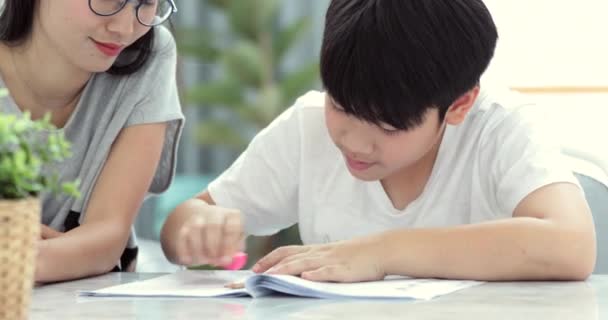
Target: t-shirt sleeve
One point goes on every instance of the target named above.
(156, 85)
(263, 182)
(522, 157)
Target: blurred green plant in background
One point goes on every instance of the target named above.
(251, 85)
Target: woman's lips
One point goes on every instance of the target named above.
(109, 49)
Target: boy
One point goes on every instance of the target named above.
(403, 166)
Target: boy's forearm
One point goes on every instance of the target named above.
(513, 249)
(85, 251)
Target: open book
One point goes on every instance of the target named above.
(212, 284)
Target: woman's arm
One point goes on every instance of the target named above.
(96, 246)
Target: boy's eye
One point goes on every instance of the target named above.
(388, 129)
(390, 132)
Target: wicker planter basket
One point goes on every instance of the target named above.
(19, 233)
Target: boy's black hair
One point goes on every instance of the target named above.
(17, 19)
(389, 61)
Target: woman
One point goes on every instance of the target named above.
(105, 71)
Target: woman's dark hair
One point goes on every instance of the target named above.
(389, 61)
(17, 18)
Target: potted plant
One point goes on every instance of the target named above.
(26, 148)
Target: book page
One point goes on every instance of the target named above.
(391, 287)
(183, 283)
(208, 284)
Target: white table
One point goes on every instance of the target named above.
(513, 301)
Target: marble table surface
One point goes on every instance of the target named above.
(514, 301)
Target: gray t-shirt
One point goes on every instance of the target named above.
(108, 104)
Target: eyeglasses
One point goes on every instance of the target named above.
(149, 13)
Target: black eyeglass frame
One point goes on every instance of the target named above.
(139, 3)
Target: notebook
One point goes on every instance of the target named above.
(212, 284)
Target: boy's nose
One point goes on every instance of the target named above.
(358, 146)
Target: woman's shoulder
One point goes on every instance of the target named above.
(163, 55)
(164, 42)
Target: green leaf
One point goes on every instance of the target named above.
(214, 132)
(244, 62)
(71, 189)
(299, 82)
(223, 93)
(202, 52)
(249, 115)
(287, 37)
(243, 18)
(268, 12)
(249, 19)
(197, 43)
(26, 147)
(222, 4)
(269, 105)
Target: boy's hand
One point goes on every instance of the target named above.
(347, 261)
(212, 235)
(47, 232)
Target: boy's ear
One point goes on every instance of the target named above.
(461, 107)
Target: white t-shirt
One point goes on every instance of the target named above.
(293, 173)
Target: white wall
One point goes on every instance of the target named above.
(551, 42)
(557, 44)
